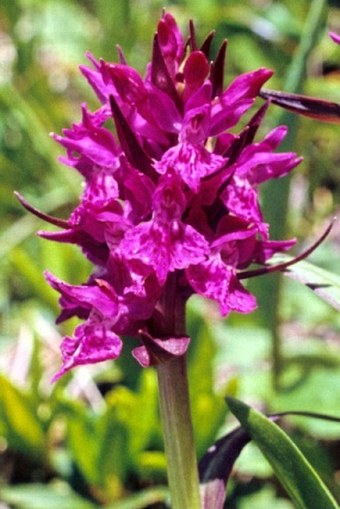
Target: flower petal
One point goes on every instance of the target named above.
(93, 342)
(170, 42)
(335, 37)
(216, 280)
(156, 351)
(190, 162)
(164, 247)
(100, 296)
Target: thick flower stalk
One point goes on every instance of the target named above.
(170, 204)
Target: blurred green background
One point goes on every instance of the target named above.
(94, 438)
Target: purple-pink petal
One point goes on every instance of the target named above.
(92, 342)
(191, 162)
(335, 37)
(100, 296)
(170, 120)
(241, 199)
(216, 280)
(264, 166)
(164, 247)
(237, 99)
(95, 79)
(90, 141)
(266, 249)
(156, 351)
(196, 69)
(240, 299)
(246, 85)
(211, 279)
(171, 42)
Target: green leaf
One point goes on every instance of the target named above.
(264, 498)
(23, 429)
(82, 429)
(145, 423)
(142, 500)
(114, 451)
(323, 283)
(300, 480)
(309, 383)
(151, 465)
(31, 271)
(39, 496)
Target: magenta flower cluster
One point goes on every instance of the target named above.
(170, 199)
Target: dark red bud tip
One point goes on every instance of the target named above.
(196, 68)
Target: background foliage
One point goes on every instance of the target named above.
(94, 438)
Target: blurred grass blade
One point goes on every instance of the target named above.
(276, 192)
(26, 266)
(300, 480)
(312, 31)
(39, 496)
(28, 118)
(22, 427)
(143, 499)
(204, 399)
(31, 123)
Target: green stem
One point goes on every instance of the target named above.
(178, 434)
(276, 193)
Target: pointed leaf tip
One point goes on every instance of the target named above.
(300, 480)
